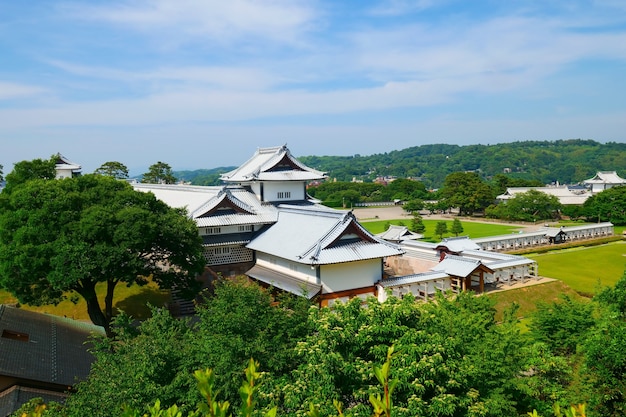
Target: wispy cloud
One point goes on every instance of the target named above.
(222, 21)
(9, 91)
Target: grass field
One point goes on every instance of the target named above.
(528, 297)
(584, 268)
(472, 229)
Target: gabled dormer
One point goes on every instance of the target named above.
(224, 203)
(274, 175)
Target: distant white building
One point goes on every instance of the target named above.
(65, 168)
(566, 195)
(604, 180)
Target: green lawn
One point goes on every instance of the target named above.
(528, 297)
(584, 268)
(472, 229)
(133, 300)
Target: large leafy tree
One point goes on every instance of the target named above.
(29, 170)
(451, 359)
(530, 206)
(113, 169)
(159, 173)
(467, 191)
(64, 236)
(607, 206)
(156, 360)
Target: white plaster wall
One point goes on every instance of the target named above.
(295, 188)
(297, 270)
(346, 276)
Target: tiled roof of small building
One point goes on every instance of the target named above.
(42, 347)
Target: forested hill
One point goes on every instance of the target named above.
(565, 161)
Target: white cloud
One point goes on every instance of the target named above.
(10, 91)
(279, 20)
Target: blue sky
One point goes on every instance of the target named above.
(202, 83)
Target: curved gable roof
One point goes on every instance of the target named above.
(224, 200)
(318, 235)
(272, 164)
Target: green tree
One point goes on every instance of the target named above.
(562, 324)
(532, 205)
(113, 169)
(157, 359)
(406, 189)
(607, 206)
(29, 170)
(417, 224)
(241, 322)
(1, 173)
(438, 348)
(457, 227)
(413, 206)
(64, 236)
(603, 347)
(467, 191)
(139, 365)
(441, 228)
(159, 173)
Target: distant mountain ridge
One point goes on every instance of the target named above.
(564, 161)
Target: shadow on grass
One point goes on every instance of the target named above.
(136, 305)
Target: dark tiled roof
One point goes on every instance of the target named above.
(53, 349)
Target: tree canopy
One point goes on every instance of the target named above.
(159, 173)
(29, 170)
(113, 169)
(530, 206)
(467, 191)
(607, 206)
(63, 236)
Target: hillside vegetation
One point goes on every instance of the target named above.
(566, 161)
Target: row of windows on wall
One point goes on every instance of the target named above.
(218, 230)
(283, 194)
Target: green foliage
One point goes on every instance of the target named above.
(157, 358)
(413, 206)
(417, 224)
(203, 176)
(159, 173)
(467, 191)
(113, 169)
(24, 171)
(529, 162)
(607, 206)
(457, 227)
(561, 325)
(450, 359)
(64, 236)
(530, 206)
(501, 182)
(441, 229)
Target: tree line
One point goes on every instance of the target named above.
(565, 161)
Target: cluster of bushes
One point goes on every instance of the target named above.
(450, 358)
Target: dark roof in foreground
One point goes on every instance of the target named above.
(44, 348)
